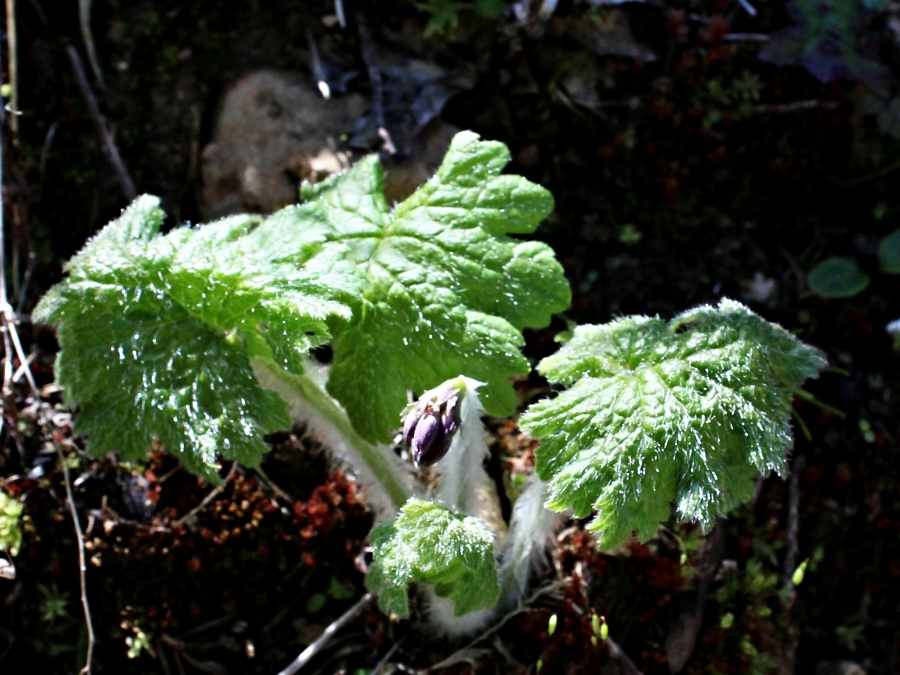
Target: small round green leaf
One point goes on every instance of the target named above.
(837, 277)
(889, 253)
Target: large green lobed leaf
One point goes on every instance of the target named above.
(685, 414)
(443, 288)
(431, 544)
(156, 333)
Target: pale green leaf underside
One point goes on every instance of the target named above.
(157, 331)
(431, 544)
(444, 290)
(685, 414)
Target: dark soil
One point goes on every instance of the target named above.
(684, 169)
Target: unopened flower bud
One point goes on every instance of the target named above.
(429, 426)
(427, 437)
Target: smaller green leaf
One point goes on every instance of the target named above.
(889, 253)
(686, 414)
(429, 543)
(837, 277)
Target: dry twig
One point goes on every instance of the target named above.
(109, 145)
(307, 654)
(11, 33)
(277, 491)
(8, 319)
(207, 499)
(370, 57)
(82, 562)
(791, 554)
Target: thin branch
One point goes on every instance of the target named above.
(82, 563)
(5, 309)
(382, 662)
(339, 13)
(26, 282)
(617, 654)
(277, 491)
(878, 173)
(792, 532)
(109, 145)
(206, 500)
(745, 37)
(24, 361)
(11, 33)
(45, 151)
(317, 67)
(551, 589)
(750, 9)
(370, 57)
(783, 108)
(11, 343)
(791, 555)
(25, 369)
(307, 654)
(84, 20)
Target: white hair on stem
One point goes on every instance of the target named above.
(387, 481)
(524, 551)
(463, 484)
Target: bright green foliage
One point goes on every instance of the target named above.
(156, 334)
(687, 413)
(444, 290)
(431, 544)
(10, 532)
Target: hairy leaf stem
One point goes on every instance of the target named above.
(390, 485)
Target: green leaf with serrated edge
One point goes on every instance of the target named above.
(444, 289)
(156, 333)
(429, 543)
(687, 413)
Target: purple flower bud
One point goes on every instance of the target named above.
(409, 424)
(427, 439)
(450, 415)
(429, 426)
